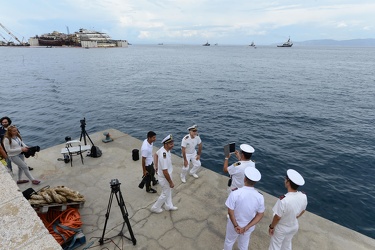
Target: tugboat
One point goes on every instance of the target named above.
(286, 44)
(206, 44)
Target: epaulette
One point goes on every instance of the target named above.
(252, 160)
(303, 192)
(237, 164)
(282, 197)
(260, 193)
(186, 137)
(164, 155)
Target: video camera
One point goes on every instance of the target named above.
(114, 182)
(83, 122)
(32, 151)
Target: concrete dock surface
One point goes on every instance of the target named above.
(199, 222)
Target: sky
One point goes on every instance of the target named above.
(193, 21)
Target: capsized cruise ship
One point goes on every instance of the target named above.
(82, 38)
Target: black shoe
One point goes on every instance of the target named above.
(30, 168)
(141, 185)
(151, 191)
(155, 183)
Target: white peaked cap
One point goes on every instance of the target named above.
(167, 139)
(247, 148)
(193, 127)
(295, 177)
(253, 174)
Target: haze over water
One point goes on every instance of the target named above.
(306, 108)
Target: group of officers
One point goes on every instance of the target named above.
(245, 204)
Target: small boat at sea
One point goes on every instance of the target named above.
(206, 44)
(252, 44)
(286, 44)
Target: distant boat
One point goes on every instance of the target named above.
(286, 44)
(252, 44)
(160, 43)
(206, 44)
(216, 44)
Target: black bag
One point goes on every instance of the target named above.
(95, 152)
(135, 154)
(31, 151)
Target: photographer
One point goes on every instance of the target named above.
(237, 169)
(15, 147)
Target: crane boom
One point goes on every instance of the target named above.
(10, 33)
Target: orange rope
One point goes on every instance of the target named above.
(70, 218)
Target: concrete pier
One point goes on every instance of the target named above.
(199, 222)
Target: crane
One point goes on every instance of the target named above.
(10, 33)
(3, 37)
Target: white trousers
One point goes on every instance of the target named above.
(165, 196)
(282, 237)
(231, 236)
(196, 164)
(19, 160)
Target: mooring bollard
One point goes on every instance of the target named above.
(107, 137)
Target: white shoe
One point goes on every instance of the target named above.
(195, 176)
(156, 210)
(183, 179)
(171, 208)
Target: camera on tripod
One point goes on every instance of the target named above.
(83, 122)
(114, 182)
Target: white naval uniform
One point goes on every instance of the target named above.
(191, 153)
(246, 203)
(164, 163)
(288, 207)
(237, 171)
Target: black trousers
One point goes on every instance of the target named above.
(150, 176)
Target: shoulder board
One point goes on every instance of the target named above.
(252, 160)
(164, 155)
(237, 164)
(303, 192)
(260, 193)
(186, 137)
(282, 197)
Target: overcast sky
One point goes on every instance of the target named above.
(194, 21)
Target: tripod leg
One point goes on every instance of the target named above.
(124, 212)
(101, 241)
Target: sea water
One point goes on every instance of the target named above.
(306, 108)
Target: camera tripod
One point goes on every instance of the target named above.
(115, 186)
(84, 133)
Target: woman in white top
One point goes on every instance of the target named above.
(15, 147)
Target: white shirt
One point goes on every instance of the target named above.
(237, 171)
(190, 143)
(289, 206)
(246, 203)
(164, 162)
(146, 151)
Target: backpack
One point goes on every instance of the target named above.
(95, 152)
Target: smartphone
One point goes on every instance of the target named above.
(232, 147)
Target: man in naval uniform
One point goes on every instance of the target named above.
(286, 211)
(245, 209)
(165, 169)
(236, 170)
(148, 162)
(189, 153)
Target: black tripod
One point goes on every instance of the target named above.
(115, 186)
(84, 133)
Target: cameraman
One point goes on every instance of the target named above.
(15, 147)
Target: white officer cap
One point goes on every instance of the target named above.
(247, 148)
(295, 177)
(253, 174)
(194, 127)
(167, 139)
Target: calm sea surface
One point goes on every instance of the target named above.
(307, 108)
